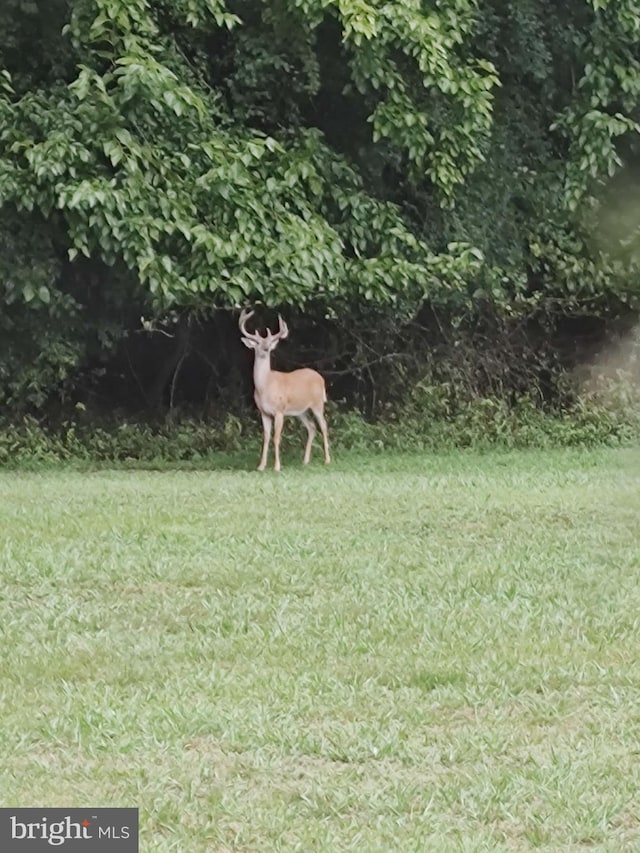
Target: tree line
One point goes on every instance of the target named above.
(444, 188)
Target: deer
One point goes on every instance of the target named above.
(277, 394)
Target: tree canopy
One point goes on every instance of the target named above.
(199, 154)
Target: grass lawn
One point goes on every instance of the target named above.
(396, 653)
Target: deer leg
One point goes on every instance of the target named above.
(266, 437)
(277, 433)
(319, 416)
(311, 431)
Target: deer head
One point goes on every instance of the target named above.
(263, 345)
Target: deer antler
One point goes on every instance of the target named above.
(283, 329)
(242, 322)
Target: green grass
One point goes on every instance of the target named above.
(396, 653)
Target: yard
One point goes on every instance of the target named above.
(394, 653)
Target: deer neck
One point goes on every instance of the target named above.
(261, 372)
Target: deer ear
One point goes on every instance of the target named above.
(249, 343)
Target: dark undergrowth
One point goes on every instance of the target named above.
(430, 421)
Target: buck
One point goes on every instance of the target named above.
(278, 394)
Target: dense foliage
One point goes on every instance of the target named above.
(462, 166)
